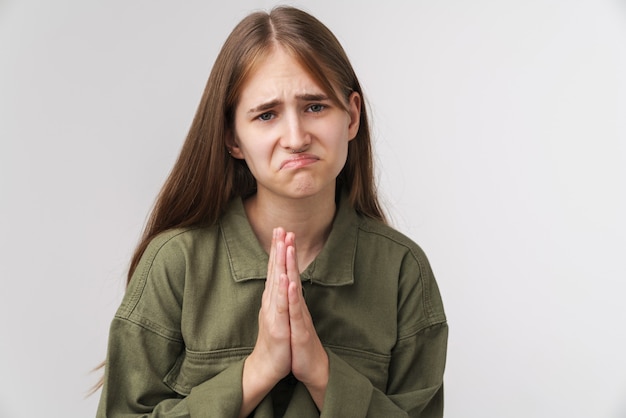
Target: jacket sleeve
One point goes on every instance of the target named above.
(145, 342)
(138, 361)
(415, 383)
(415, 387)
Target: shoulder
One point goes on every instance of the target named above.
(388, 250)
(380, 234)
(177, 248)
(164, 264)
(174, 243)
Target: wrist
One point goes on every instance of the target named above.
(318, 382)
(255, 384)
(259, 374)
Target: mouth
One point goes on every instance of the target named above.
(300, 160)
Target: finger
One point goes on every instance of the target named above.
(278, 271)
(278, 295)
(295, 301)
(292, 267)
(269, 282)
(299, 318)
(303, 333)
(282, 299)
(280, 256)
(290, 239)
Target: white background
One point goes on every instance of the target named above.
(501, 137)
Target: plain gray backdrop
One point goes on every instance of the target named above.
(500, 132)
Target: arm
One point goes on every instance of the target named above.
(415, 387)
(415, 373)
(138, 362)
(146, 347)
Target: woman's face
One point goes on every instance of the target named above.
(292, 136)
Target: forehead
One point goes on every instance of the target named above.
(278, 73)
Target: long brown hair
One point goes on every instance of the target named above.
(205, 178)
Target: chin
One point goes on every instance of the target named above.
(300, 194)
(311, 189)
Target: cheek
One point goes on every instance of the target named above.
(336, 142)
(254, 145)
(338, 134)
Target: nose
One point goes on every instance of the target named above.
(295, 137)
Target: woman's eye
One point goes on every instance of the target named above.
(266, 116)
(316, 108)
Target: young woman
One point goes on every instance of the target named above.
(267, 282)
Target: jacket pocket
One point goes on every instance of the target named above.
(374, 366)
(193, 368)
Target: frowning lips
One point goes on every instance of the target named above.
(299, 160)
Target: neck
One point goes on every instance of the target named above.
(310, 219)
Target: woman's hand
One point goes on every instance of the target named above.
(287, 340)
(309, 361)
(270, 359)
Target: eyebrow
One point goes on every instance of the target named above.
(309, 97)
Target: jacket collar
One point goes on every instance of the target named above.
(334, 266)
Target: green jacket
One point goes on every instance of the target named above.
(189, 319)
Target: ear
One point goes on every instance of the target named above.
(233, 146)
(354, 111)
